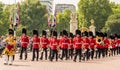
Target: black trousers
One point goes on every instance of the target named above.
(113, 50)
(35, 50)
(119, 49)
(64, 54)
(87, 54)
(44, 50)
(92, 53)
(106, 52)
(53, 54)
(78, 52)
(23, 49)
(71, 53)
(50, 53)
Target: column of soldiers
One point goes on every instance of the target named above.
(64, 45)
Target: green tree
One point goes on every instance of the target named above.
(63, 21)
(99, 10)
(4, 21)
(33, 15)
(115, 7)
(112, 24)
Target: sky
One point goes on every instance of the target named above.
(75, 2)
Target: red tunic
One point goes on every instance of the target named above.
(64, 42)
(44, 42)
(106, 43)
(71, 43)
(36, 42)
(118, 42)
(86, 42)
(113, 44)
(54, 43)
(24, 41)
(92, 43)
(77, 42)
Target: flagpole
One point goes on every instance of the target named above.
(14, 27)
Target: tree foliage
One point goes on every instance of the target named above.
(63, 21)
(99, 10)
(112, 24)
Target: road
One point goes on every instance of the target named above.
(109, 63)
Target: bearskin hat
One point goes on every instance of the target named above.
(55, 33)
(35, 32)
(90, 33)
(78, 32)
(65, 32)
(11, 31)
(44, 32)
(24, 31)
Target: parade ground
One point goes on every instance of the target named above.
(109, 63)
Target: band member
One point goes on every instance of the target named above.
(44, 44)
(54, 46)
(64, 43)
(78, 45)
(36, 45)
(99, 44)
(71, 48)
(86, 43)
(106, 44)
(9, 50)
(24, 43)
(92, 44)
(112, 45)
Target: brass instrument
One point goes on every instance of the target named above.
(99, 40)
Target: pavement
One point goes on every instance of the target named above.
(108, 63)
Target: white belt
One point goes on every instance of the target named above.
(54, 44)
(64, 43)
(35, 43)
(24, 42)
(44, 43)
(77, 43)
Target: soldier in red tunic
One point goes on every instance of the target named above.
(54, 46)
(112, 45)
(92, 44)
(44, 44)
(36, 45)
(24, 43)
(99, 44)
(86, 43)
(78, 45)
(64, 43)
(71, 48)
(106, 44)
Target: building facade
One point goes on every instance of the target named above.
(61, 7)
(49, 5)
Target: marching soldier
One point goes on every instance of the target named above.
(112, 45)
(106, 44)
(92, 44)
(36, 45)
(99, 44)
(54, 46)
(64, 43)
(24, 43)
(78, 45)
(71, 48)
(86, 43)
(9, 50)
(44, 44)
